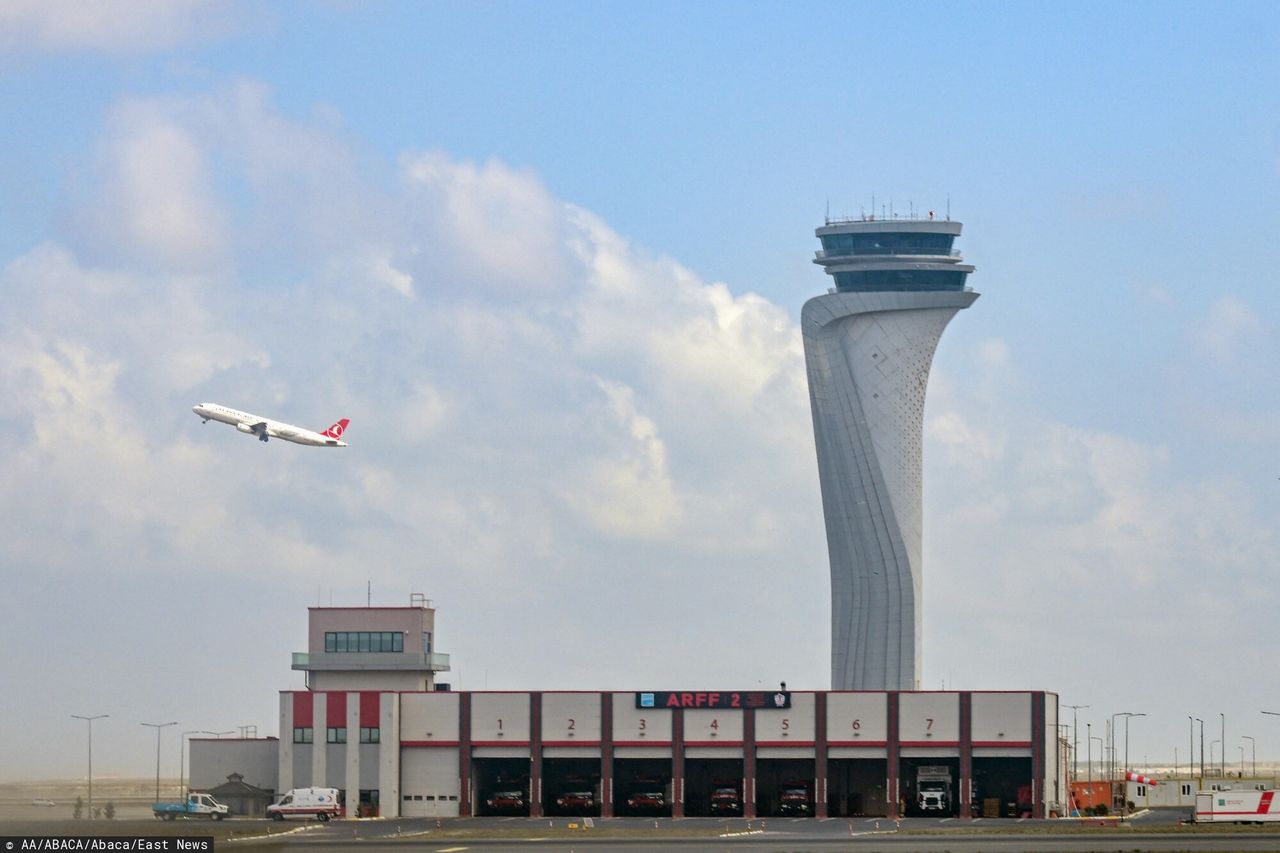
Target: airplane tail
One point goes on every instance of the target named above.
(337, 429)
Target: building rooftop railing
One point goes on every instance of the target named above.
(823, 255)
(373, 661)
(893, 217)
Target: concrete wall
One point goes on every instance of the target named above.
(569, 718)
(429, 717)
(500, 718)
(256, 759)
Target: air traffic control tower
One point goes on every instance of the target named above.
(868, 345)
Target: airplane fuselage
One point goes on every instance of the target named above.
(266, 428)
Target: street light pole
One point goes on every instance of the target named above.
(1253, 744)
(1201, 722)
(1101, 750)
(1241, 748)
(90, 720)
(1111, 774)
(1075, 740)
(1127, 768)
(1212, 744)
(1224, 744)
(158, 727)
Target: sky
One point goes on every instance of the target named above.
(549, 259)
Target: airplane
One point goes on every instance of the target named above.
(265, 428)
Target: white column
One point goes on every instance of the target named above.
(389, 754)
(284, 769)
(353, 753)
(320, 747)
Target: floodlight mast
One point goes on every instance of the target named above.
(90, 720)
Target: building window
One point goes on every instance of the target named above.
(363, 641)
(426, 642)
(1142, 790)
(337, 735)
(1186, 790)
(302, 735)
(370, 734)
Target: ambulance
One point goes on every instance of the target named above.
(319, 803)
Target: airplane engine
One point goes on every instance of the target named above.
(245, 428)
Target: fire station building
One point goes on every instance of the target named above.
(375, 724)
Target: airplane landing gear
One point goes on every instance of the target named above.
(262, 437)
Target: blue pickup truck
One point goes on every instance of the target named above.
(197, 805)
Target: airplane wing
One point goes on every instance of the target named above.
(259, 428)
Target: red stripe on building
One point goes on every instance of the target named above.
(303, 710)
(370, 710)
(1264, 803)
(335, 710)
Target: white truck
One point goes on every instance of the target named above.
(933, 788)
(1237, 807)
(196, 805)
(319, 803)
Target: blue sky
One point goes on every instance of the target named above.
(549, 259)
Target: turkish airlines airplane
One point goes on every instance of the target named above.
(265, 428)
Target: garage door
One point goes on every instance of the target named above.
(429, 782)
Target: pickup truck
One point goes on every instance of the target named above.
(197, 805)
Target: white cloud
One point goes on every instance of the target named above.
(1231, 328)
(1100, 548)
(165, 327)
(154, 199)
(498, 226)
(121, 26)
(381, 271)
(626, 490)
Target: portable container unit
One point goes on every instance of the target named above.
(1237, 807)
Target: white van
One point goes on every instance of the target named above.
(320, 803)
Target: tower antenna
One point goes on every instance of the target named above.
(948, 207)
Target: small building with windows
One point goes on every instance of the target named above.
(371, 648)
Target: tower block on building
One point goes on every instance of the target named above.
(868, 345)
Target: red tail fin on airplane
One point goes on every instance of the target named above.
(337, 429)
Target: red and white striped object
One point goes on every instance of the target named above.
(1140, 779)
